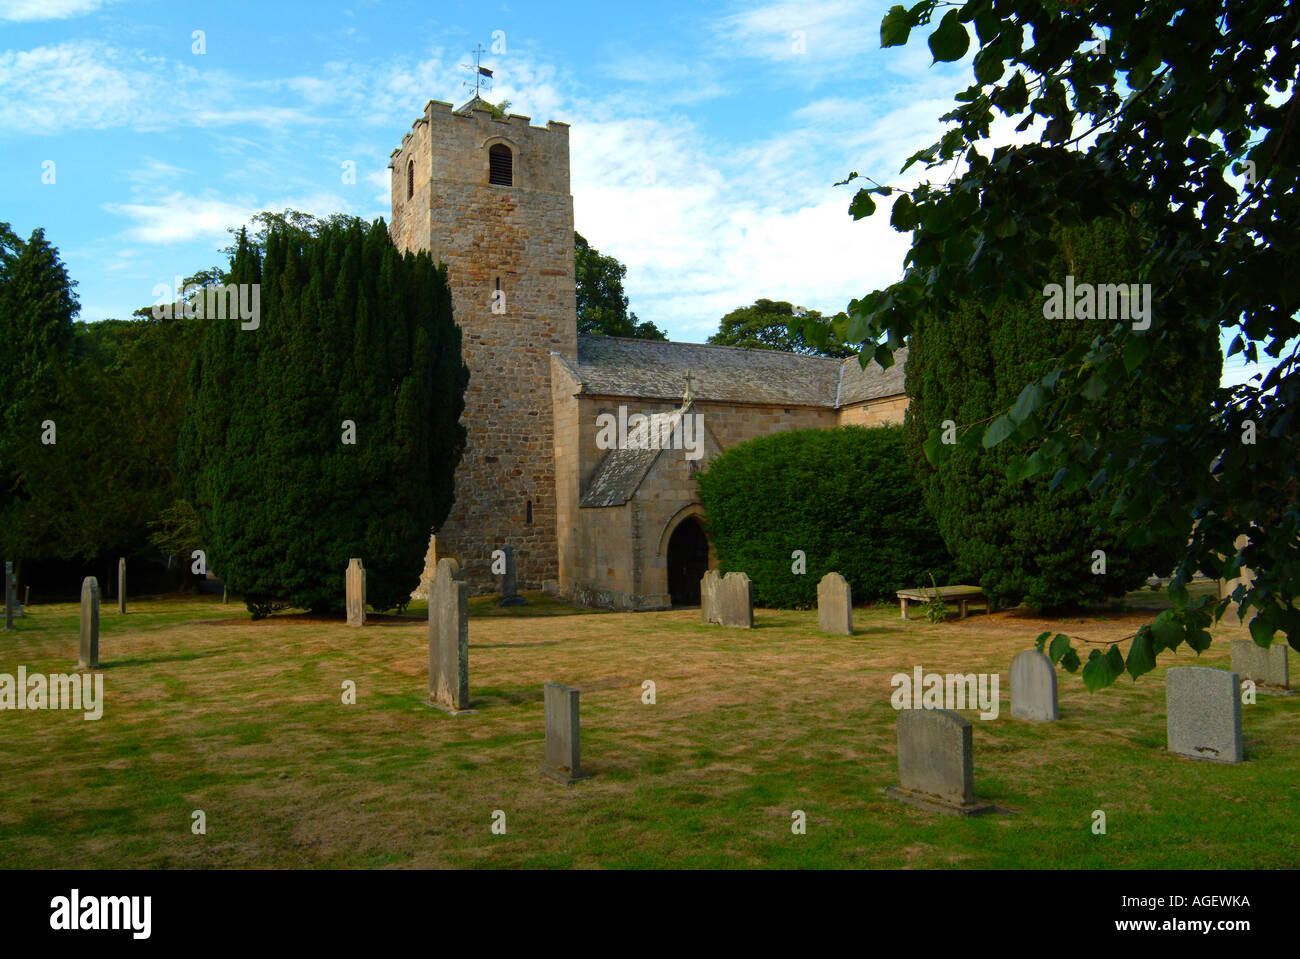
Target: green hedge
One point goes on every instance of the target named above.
(846, 497)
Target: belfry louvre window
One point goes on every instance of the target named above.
(500, 166)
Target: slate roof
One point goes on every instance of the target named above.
(858, 385)
(656, 370)
(617, 477)
(474, 102)
(623, 469)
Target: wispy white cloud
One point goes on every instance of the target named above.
(80, 84)
(87, 84)
(155, 171)
(820, 40)
(705, 228)
(262, 116)
(802, 30)
(176, 217)
(179, 218)
(28, 10)
(706, 220)
(670, 80)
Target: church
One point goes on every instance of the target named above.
(616, 528)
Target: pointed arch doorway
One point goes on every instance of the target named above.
(688, 561)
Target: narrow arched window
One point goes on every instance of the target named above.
(410, 179)
(500, 165)
(530, 513)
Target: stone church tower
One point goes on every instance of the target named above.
(490, 198)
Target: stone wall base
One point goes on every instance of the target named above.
(595, 597)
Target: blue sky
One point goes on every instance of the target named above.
(705, 144)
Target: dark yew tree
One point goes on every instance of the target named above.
(37, 306)
(1022, 540)
(330, 428)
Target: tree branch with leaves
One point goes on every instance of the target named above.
(1181, 115)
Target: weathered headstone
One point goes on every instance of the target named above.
(1203, 713)
(709, 596)
(835, 605)
(509, 583)
(88, 657)
(562, 760)
(354, 585)
(1033, 686)
(1266, 667)
(727, 600)
(736, 601)
(449, 639)
(121, 585)
(935, 762)
(10, 598)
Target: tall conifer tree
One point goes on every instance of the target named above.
(332, 429)
(37, 304)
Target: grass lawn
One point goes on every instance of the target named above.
(205, 709)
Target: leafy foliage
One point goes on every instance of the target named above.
(776, 325)
(178, 532)
(846, 497)
(936, 609)
(1022, 540)
(295, 224)
(601, 302)
(1185, 117)
(350, 329)
(115, 393)
(113, 469)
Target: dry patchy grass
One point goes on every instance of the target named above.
(245, 721)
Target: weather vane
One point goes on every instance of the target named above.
(482, 75)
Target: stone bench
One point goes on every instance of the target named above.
(963, 596)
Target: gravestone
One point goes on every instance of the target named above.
(1203, 713)
(509, 584)
(121, 585)
(709, 596)
(935, 763)
(10, 598)
(562, 760)
(449, 639)
(1033, 687)
(730, 600)
(354, 585)
(835, 605)
(88, 658)
(736, 601)
(1267, 667)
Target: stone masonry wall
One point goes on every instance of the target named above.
(568, 471)
(616, 556)
(519, 240)
(886, 411)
